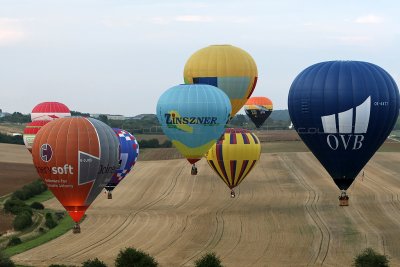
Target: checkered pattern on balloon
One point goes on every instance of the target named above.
(129, 151)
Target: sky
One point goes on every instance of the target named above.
(119, 56)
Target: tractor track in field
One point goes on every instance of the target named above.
(131, 217)
(311, 207)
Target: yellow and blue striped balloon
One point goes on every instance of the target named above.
(193, 117)
(234, 156)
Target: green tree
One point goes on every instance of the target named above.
(208, 260)
(134, 257)
(8, 139)
(17, 117)
(5, 261)
(37, 206)
(22, 221)
(50, 222)
(94, 263)
(103, 118)
(14, 241)
(16, 206)
(77, 113)
(370, 258)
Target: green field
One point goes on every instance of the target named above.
(63, 226)
(46, 195)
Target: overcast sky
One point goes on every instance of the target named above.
(119, 56)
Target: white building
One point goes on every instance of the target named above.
(109, 116)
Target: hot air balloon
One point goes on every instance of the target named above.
(234, 156)
(48, 111)
(343, 111)
(227, 67)
(193, 117)
(128, 154)
(258, 109)
(76, 157)
(30, 132)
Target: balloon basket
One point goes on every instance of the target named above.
(233, 195)
(194, 170)
(109, 195)
(344, 201)
(76, 229)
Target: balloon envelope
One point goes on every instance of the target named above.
(30, 132)
(343, 111)
(234, 156)
(128, 154)
(227, 67)
(48, 111)
(193, 117)
(76, 158)
(258, 109)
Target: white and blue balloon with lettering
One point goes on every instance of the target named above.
(343, 111)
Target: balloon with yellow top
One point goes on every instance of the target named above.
(227, 67)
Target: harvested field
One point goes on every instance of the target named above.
(160, 137)
(14, 153)
(277, 135)
(286, 213)
(159, 154)
(12, 127)
(14, 176)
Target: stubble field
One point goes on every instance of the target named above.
(286, 213)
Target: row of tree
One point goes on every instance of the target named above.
(137, 258)
(8, 139)
(16, 205)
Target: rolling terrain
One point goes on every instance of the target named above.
(286, 213)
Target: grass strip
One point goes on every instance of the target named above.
(46, 195)
(63, 226)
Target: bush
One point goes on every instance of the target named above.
(50, 222)
(22, 221)
(134, 257)
(35, 188)
(208, 260)
(16, 206)
(370, 258)
(11, 139)
(5, 262)
(94, 263)
(154, 143)
(37, 206)
(14, 241)
(166, 143)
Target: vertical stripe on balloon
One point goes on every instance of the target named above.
(244, 165)
(217, 171)
(248, 171)
(233, 138)
(220, 158)
(233, 171)
(245, 139)
(254, 138)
